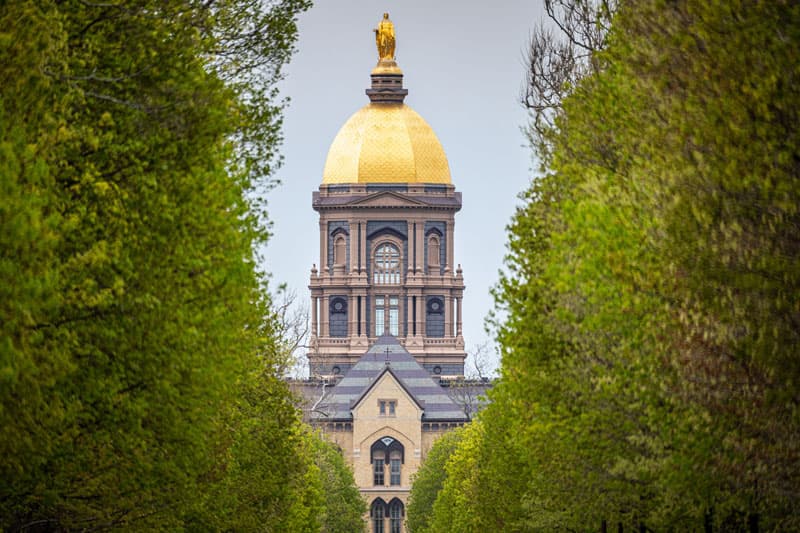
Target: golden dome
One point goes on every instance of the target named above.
(386, 143)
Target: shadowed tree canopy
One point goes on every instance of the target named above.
(137, 140)
(649, 370)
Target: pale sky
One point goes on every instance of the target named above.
(463, 63)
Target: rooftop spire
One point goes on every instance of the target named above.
(387, 78)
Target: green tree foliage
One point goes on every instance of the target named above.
(344, 506)
(136, 374)
(650, 370)
(428, 481)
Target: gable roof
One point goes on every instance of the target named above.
(387, 369)
(387, 355)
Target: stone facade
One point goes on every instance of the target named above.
(385, 413)
(386, 326)
(420, 296)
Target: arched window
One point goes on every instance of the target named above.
(339, 250)
(433, 250)
(395, 460)
(387, 265)
(377, 513)
(396, 512)
(378, 460)
(387, 450)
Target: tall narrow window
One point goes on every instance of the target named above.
(387, 265)
(338, 317)
(378, 472)
(433, 251)
(339, 250)
(380, 323)
(394, 468)
(395, 516)
(394, 315)
(434, 319)
(377, 513)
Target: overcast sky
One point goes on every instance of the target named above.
(463, 66)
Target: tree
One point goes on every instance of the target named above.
(429, 480)
(647, 378)
(561, 52)
(291, 319)
(131, 307)
(344, 506)
(267, 477)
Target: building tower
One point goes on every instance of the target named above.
(387, 217)
(386, 299)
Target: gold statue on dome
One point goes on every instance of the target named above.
(384, 38)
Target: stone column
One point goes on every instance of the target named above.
(459, 318)
(408, 301)
(314, 316)
(352, 309)
(363, 316)
(324, 329)
(323, 246)
(420, 243)
(448, 315)
(450, 237)
(420, 317)
(352, 240)
(363, 241)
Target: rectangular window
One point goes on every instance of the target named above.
(395, 472)
(394, 316)
(378, 477)
(387, 407)
(379, 317)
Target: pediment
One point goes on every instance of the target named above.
(388, 199)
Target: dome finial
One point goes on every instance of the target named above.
(384, 39)
(387, 78)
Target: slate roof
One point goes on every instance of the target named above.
(416, 381)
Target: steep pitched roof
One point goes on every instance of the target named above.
(387, 355)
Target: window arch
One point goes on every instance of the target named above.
(396, 513)
(395, 461)
(433, 250)
(386, 264)
(339, 250)
(378, 462)
(385, 448)
(377, 512)
(387, 451)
